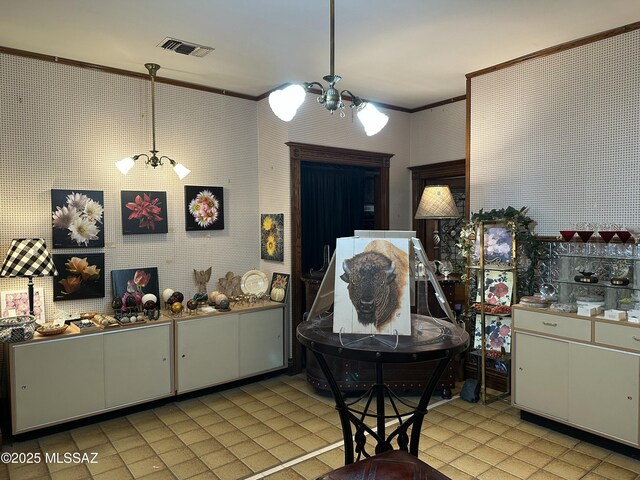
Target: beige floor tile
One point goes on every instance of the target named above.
(330, 434)
(34, 471)
(312, 468)
(179, 455)
(614, 472)
(103, 450)
(444, 453)
(121, 473)
(293, 432)
(156, 434)
(438, 433)
(334, 458)
(288, 474)
(279, 422)
(260, 461)
(146, 466)
(563, 440)
(286, 452)
(478, 434)
(208, 475)
(565, 470)
(544, 475)
(74, 472)
(593, 476)
(493, 426)
(253, 406)
(231, 412)
(256, 430)
(166, 444)
(208, 420)
(517, 467)
(534, 457)
(311, 442)
(505, 445)
(231, 438)
(488, 454)
(520, 436)
(580, 459)
(92, 439)
(460, 442)
(135, 454)
(119, 433)
(496, 474)
(470, 465)
(205, 446)
(232, 471)
(216, 459)
(546, 446)
(454, 425)
(105, 464)
(456, 474)
(165, 474)
(243, 421)
(245, 448)
(129, 442)
(265, 414)
(592, 450)
(184, 426)
(625, 462)
(189, 468)
(195, 436)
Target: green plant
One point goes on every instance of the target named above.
(530, 252)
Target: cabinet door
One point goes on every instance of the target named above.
(57, 380)
(603, 391)
(261, 341)
(137, 364)
(541, 374)
(207, 351)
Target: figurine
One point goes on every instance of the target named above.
(202, 277)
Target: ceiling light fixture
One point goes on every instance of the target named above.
(127, 163)
(285, 101)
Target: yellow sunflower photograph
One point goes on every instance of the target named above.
(272, 236)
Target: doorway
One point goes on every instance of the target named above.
(365, 176)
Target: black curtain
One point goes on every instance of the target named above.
(332, 206)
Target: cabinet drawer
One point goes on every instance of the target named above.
(550, 324)
(616, 335)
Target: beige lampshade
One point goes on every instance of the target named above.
(437, 202)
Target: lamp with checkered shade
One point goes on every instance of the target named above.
(28, 257)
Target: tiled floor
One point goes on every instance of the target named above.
(279, 430)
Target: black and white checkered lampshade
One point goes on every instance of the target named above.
(28, 257)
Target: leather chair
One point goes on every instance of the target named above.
(393, 465)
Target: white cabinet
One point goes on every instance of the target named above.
(55, 380)
(59, 379)
(137, 364)
(206, 351)
(261, 342)
(541, 379)
(590, 382)
(223, 347)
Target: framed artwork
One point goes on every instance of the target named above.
(204, 208)
(144, 212)
(498, 245)
(135, 282)
(366, 271)
(497, 333)
(272, 236)
(279, 287)
(79, 276)
(77, 218)
(498, 287)
(16, 302)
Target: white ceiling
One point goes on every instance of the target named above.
(406, 53)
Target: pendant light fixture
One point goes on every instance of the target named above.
(286, 101)
(127, 163)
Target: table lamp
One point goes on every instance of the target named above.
(436, 203)
(28, 257)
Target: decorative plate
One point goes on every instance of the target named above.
(254, 282)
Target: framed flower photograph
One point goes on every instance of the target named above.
(204, 208)
(498, 245)
(16, 302)
(144, 212)
(77, 218)
(134, 283)
(272, 236)
(79, 276)
(279, 287)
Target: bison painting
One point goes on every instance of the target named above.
(376, 280)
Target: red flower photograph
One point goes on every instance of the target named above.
(144, 212)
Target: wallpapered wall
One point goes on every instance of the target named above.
(64, 127)
(438, 134)
(561, 134)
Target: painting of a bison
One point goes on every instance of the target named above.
(371, 291)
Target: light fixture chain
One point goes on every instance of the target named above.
(332, 41)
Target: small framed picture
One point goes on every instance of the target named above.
(16, 302)
(135, 282)
(144, 212)
(204, 208)
(77, 218)
(279, 287)
(79, 276)
(272, 236)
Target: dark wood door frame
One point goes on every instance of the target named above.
(429, 175)
(303, 152)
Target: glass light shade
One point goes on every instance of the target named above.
(125, 165)
(437, 202)
(372, 119)
(181, 170)
(286, 101)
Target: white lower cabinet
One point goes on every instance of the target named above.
(137, 365)
(56, 380)
(206, 351)
(588, 383)
(261, 342)
(225, 347)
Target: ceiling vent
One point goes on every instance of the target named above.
(185, 48)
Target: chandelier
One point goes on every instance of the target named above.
(127, 163)
(286, 101)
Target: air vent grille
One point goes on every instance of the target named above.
(184, 48)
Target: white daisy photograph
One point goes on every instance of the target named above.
(77, 218)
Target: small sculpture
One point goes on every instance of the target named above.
(202, 277)
(230, 285)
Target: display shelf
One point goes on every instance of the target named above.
(494, 268)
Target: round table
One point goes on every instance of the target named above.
(431, 339)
